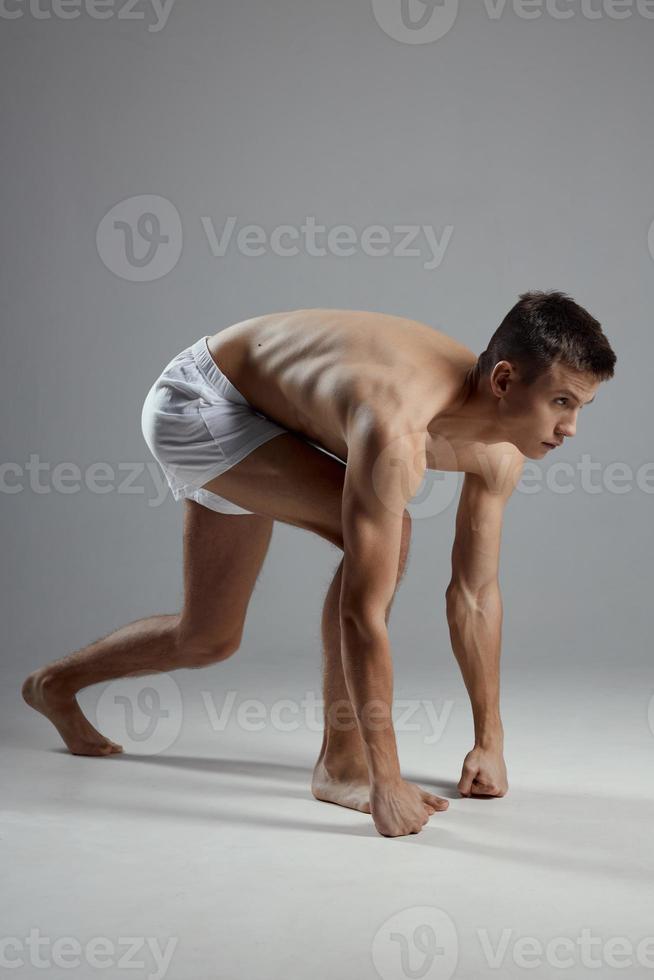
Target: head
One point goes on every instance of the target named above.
(544, 362)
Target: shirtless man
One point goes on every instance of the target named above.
(347, 410)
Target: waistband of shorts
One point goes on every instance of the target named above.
(208, 367)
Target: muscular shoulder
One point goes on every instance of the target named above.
(499, 468)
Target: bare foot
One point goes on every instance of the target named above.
(342, 784)
(80, 736)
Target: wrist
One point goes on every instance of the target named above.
(490, 743)
(490, 736)
(487, 723)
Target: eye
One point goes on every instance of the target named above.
(561, 399)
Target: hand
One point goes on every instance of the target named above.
(400, 808)
(484, 773)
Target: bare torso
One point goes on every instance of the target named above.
(309, 370)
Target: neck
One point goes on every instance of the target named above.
(473, 415)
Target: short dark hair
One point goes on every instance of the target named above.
(543, 328)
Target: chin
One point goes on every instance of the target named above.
(535, 452)
(527, 448)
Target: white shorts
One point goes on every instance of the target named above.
(197, 425)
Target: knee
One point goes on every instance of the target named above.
(202, 651)
(210, 653)
(336, 537)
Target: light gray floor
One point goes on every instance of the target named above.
(215, 841)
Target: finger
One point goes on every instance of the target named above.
(466, 781)
(484, 789)
(436, 802)
(479, 786)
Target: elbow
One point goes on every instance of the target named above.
(458, 601)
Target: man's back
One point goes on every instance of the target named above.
(311, 370)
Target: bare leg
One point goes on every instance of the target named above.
(223, 555)
(144, 647)
(341, 772)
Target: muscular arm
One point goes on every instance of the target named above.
(474, 615)
(384, 469)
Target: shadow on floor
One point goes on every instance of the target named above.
(581, 832)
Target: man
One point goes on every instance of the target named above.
(328, 420)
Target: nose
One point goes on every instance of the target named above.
(567, 429)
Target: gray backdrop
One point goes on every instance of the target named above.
(523, 143)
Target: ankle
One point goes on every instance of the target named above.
(343, 765)
(52, 685)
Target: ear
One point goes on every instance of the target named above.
(502, 375)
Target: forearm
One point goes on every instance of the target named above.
(368, 672)
(475, 624)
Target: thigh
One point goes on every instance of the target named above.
(223, 555)
(289, 480)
